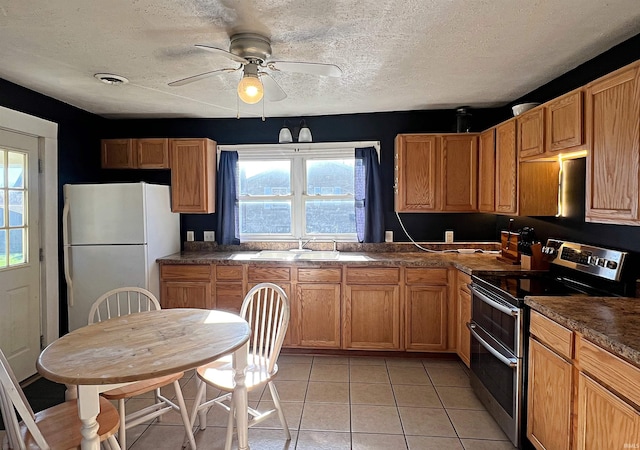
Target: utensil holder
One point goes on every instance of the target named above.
(509, 252)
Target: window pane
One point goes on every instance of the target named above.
(265, 177)
(2, 208)
(3, 248)
(3, 154)
(16, 170)
(330, 177)
(17, 242)
(265, 217)
(330, 216)
(16, 208)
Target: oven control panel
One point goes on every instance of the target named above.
(597, 261)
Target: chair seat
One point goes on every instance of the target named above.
(60, 425)
(219, 373)
(141, 387)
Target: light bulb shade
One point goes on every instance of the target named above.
(304, 135)
(285, 136)
(250, 89)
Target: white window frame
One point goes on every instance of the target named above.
(298, 154)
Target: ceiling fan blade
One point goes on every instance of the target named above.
(327, 70)
(199, 77)
(229, 55)
(272, 89)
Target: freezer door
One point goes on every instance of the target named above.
(105, 213)
(95, 270)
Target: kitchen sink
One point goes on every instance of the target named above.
(287, 255)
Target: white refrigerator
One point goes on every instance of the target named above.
(112, 236)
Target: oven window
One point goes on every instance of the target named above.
(498, 378)
(498, 324)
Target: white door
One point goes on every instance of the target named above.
(19, 252)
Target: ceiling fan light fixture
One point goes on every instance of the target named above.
(250, 89)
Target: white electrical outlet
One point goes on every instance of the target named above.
(209, 235)
(190, 236)
(448, 237)
(388, 236)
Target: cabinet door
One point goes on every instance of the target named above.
(426, 322)
(459, 172)
(186, 294)
(193, 175)
(229, 296)
(464, 317)
(506, 168)
(487, 171)
(416, 173)
(531, 134)
(549, 398)
(152, 153)
(613, 161)
(605, 421)
(565, 119)
(318, 315)
(372, 317)
(117, 154)
(291, 338)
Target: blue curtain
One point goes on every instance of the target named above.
(368, 196)
(227, 199)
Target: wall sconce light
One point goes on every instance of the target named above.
(285, 134)
(305, 133)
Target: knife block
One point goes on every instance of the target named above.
(534, 261)
(509, 252)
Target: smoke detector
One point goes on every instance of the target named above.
(109, 78)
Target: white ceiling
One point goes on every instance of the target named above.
(396, 55)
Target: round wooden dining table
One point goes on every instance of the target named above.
(141, 346)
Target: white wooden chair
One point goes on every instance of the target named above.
(119, 302)
(57, 427)
(266, 308)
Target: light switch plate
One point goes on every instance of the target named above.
(448, 236)
(190, 236)
(209, 235)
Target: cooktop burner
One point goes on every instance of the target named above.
(519, 286)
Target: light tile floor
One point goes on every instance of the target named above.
(360, 403)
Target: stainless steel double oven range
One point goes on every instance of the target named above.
(500, 322)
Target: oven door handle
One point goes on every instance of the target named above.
(511, 362)
(515, 312)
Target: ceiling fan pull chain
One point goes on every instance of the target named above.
(237, 107)
(263, 119)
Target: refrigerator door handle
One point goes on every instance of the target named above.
(65, 252)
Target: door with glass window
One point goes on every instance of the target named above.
(19, 252)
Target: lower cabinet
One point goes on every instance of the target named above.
(185, 286)
(426, 312)
(317, 312)
(463, 310)
(229, 288)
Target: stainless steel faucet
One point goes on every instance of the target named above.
(301, 245)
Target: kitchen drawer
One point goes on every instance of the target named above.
(262, 274)
(229, 273)
(186, 272)
(552, 334)
(320, 275)
(368, 275)
(617, 374)
(426, 276)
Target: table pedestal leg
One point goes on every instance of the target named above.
(240, 396)
(88, 410)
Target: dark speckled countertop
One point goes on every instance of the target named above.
(611, 322)
(469, 263)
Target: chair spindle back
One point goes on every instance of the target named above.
(121, 301)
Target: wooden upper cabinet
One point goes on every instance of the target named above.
(530, 133)
(148, 153)
(565, 123)
(117, 154)
(436, 172)
(193, 175)
(487, 171)
(613, 139)
(506, 168)
(416, 173)
(459, 172)
(152, 153)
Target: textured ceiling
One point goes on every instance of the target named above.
(395, 55)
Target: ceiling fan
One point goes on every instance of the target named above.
(251, 50)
